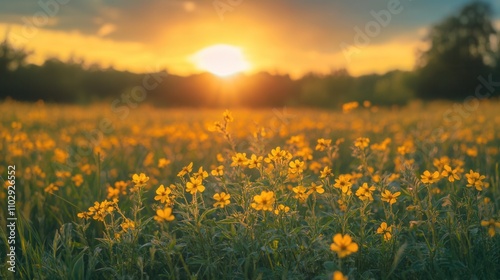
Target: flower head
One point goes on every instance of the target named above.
(185, 170)
(255, 162)
(323, 144)
(162, 162)
(163, 194)
(240, 159)
(316, 188)
(195, 185)
(51, 188)
(326, 172)
(365, 192)
(362, 142)
(77, 180)
(281, 208)
(296, 167)
(164, 215)
(492, 225)
(301, 193)
(474, 179)
(218, 171)
(343, 245)
(228, 117)
(338, 275)
(100, 210)
(264, 201)
(389, 197)
(452, 174)
(140, 180)
(429, 178)
(127, 224)
(343, 183)
(222, 199)
(385, 230)
(201, 173)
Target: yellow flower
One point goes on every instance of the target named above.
(389, 197)
(162, 162)
(362, 142)
(343, 245)
(228, 117)
(163, 194)
(77, 180)
(314, 188)
(474, 179)
(301, 193)
(217, 126)
(281, 208)
(185, 170)
(195, 185)
(112, 192)
(83, 215)
(440, 163)
(51, 188)
(140, 180)
(218, 171)
(86, 168)
(326, 172)
(343, 183)
(220, 158)
(100, 210)
(63, 174)
(385, 230)
(365, 193)
(16, 125)
(264, 201)
(452, 174)
(255, 161)
(338, 275)
(278, 155)
(323, 144)
(222, 199)
(240, 159)
(127, 224)
(60, 155)
(296, 167)
(201, 173)
(429, 178)
(349, 106)
(120, 188)
(164, 215)
(491, 224)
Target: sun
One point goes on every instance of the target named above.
(221, 60)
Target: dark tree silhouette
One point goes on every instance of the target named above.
(11, 59)
(460, 50)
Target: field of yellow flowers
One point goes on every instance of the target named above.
(149, 193)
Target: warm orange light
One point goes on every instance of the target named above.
(221, 60)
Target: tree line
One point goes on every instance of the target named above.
(464, 48)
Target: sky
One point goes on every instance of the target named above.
(281, 36)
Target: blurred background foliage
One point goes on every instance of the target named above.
(462, 48)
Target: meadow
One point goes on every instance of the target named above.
(153, 193)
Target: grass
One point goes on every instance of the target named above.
(244, 208)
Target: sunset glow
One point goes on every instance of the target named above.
(221, 60)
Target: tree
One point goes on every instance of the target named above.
(11, 59)
(460, 50)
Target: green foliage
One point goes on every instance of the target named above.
(437, 228)
(460, 51)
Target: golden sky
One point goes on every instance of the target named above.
(294, 37)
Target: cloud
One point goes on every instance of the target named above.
(283, 35)
(189, 6)
(106, 29)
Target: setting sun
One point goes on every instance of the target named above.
(221, 60)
